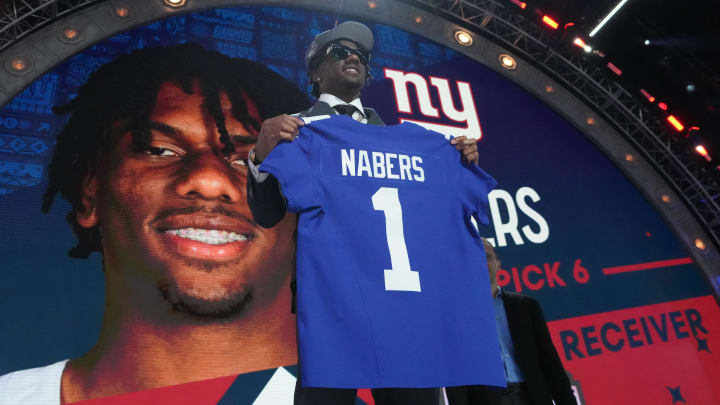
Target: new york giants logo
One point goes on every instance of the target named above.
(466, 117)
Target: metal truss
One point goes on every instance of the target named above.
(643, 129)
(20, 17)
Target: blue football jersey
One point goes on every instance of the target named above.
(392, 281)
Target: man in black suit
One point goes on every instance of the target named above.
(337, 62)
(533, 369)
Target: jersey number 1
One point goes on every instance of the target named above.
(400, 277)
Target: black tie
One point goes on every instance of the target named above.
(346, 109)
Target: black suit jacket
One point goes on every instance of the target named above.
(267, 204)
(534, 353)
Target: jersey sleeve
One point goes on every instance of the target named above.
(291, 164)
(475, 185)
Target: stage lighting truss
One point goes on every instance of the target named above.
(22, 17)
(678, 164)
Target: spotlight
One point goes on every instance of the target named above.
(662, 106)
(122, 12)
(700, 149)
(590, 121)
(629, 157)
(371, 4)
(463, 38)
(580, 43)
(550, 22)
(507, 61)
(665, 198)
(647, 95)
(18, 64)
(520, 4)
(647, 42)
(700, 244)
(690, 88)
(175, 3)
(675, 123)
(70, 33)
(418, 19)
(549, 88)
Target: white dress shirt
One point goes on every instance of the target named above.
(332, 101)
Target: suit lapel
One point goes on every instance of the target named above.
(320, 108)
(373, 117)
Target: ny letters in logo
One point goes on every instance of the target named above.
(466, 117)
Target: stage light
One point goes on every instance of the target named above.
(18, 64)
(580, 43)
(690, 88)
(647, 42)
(70, 33)
(647, 96)
(607, 18)
(614, 68)
(507, 61)
(549, 88)
(463, 38)
(175, 3)
(675, 122)
(665, 198)
(700, 244)
(702, 151)
(418, 19)
(371, 4)
(629, 157)
(520, 4)
(590, 121)
(550, 22)
(122, 12)
(662, 106)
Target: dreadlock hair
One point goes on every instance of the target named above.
(318, 59)
(125, 90)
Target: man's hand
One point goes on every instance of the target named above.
(468, 148)
(273, 131)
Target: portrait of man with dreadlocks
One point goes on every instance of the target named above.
(153, 161)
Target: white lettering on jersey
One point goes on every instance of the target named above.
(405, 167)
(381, 165)
(416, 162)
(348, 162)
(399, 277)
(388, 162)
(364, 164)
(378, 161)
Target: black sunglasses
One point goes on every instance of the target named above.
(340, 51)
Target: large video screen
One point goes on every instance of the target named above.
(629, 313)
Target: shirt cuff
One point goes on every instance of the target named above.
(255, 172)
